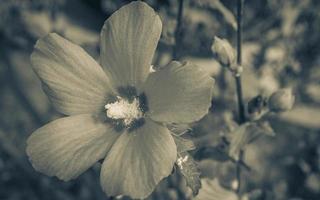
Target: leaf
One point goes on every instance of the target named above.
(183, 145)
(211, 190)
(188, 168)
(239, 139)
(247, 133)
(303, 115)
(186, 164)
(265, 128)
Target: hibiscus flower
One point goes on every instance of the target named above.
(116, 113)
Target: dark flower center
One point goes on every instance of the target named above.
(128, 109)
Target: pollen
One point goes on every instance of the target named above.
(124, 110)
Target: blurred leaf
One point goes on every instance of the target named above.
(305, 116)
(239, 139)
(188, 168)
(217, 5)
(264, 127)
(246, 134)
(183, 145)
(211, 190)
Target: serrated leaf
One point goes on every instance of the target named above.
(211, 190)
(188, 168)
(183, 144)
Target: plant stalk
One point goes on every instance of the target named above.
(241, 108)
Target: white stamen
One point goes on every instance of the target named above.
(151, 70)
(181, 160)
(123, 109)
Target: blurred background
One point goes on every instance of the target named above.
(281, 48)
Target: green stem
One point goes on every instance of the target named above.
(241, 108)
(239, 63)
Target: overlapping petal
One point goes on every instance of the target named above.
(68, 146)
(138, 161)
(179, 93)
(128, 41)
(74, 82)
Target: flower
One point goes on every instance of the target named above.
(281, 100)
(117, 112)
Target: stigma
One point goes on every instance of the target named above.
(124, 110)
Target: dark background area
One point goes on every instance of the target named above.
(281, 48)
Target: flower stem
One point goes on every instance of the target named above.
(177, 33)
(241, 109)
(239, 63)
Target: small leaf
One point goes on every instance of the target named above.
(211, 190)
(239, 139)
(265, 128)
(247, 133)
(188, 168)
(183, 145)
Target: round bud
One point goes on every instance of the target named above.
(281, 100)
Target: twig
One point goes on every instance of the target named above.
(177, 33)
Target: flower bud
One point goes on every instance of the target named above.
(281, 100)
(223, 51)
(256, 107)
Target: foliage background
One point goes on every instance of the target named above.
(280, 46)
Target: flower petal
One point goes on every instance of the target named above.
(68, 146)
(128, 41)
(138, 161)
(73, 81)
(179, 93)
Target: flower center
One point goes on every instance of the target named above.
(124, 110)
